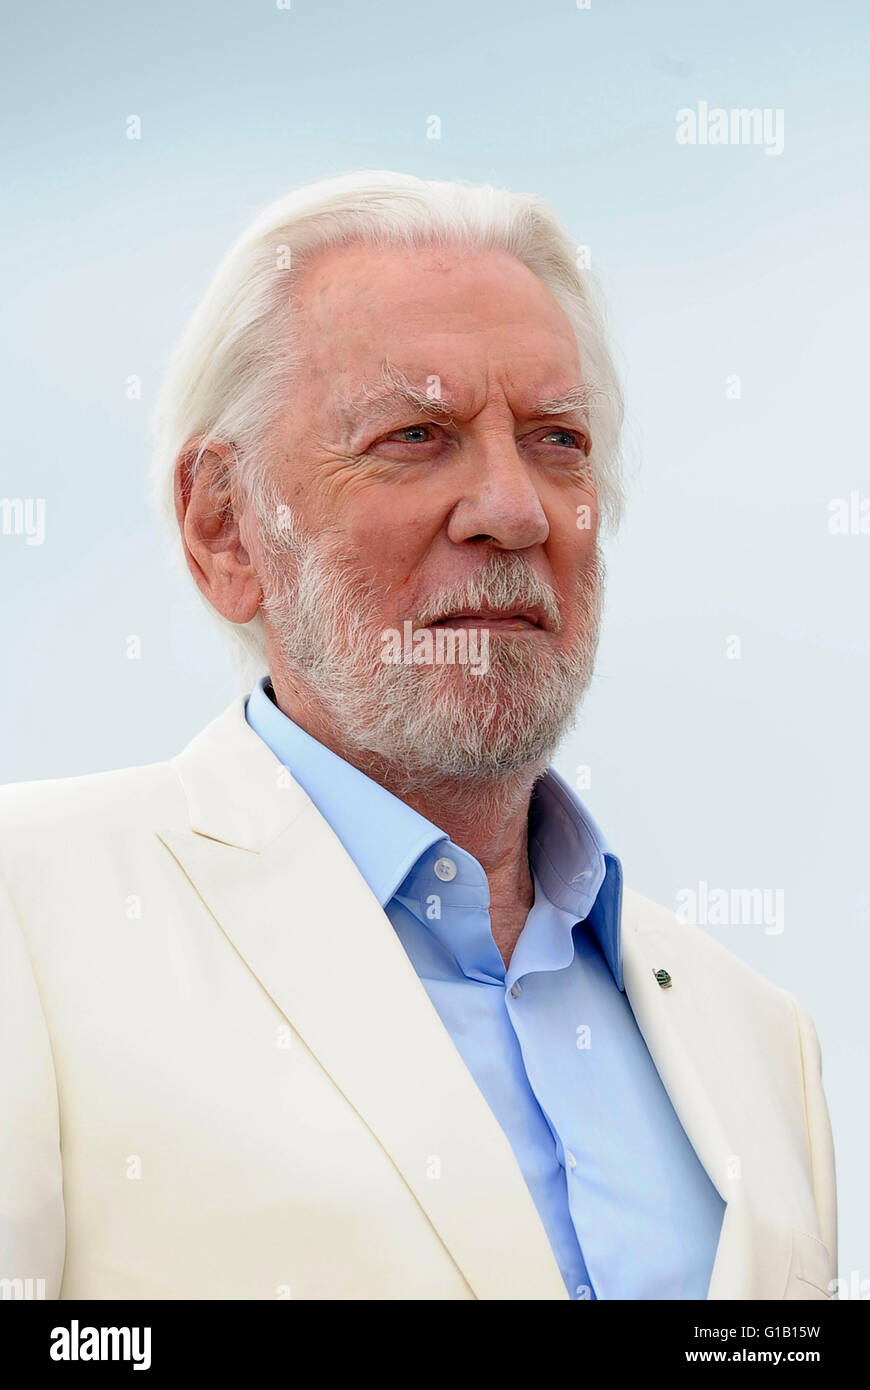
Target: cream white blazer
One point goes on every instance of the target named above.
(219, 1082)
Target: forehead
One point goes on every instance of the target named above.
(472, 319)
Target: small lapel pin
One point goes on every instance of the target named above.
(663, 978)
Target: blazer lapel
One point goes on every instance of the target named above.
(751, 1256)
(292, 902)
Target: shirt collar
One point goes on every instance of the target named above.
(576, 867)
(573, 862)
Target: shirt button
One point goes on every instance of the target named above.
(516, 990)
(572, 1162)
(445, 869)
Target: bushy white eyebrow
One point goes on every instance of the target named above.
(394, 388)
(380, 399)
(579, 399)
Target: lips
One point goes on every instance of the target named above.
(495, 619)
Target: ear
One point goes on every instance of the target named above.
(210, 514)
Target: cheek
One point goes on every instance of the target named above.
(574, 531)
(572, 549)
(581, 517)
(391, 541)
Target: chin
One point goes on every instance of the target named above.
(473, 728)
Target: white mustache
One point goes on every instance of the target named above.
(502, 583)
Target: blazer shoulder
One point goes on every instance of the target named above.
(77, 809)
(75, 822)
(697, 946)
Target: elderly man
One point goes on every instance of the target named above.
(347, 1000)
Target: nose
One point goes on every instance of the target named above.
(500, 502)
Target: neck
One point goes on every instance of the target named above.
(488, 819)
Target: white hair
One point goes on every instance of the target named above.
(231, 372)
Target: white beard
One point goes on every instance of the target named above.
(431, 722)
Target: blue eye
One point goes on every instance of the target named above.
(570, 440)
(413, 429)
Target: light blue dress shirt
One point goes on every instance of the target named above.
(551, 1041)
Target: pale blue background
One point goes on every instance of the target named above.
(715, 260)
